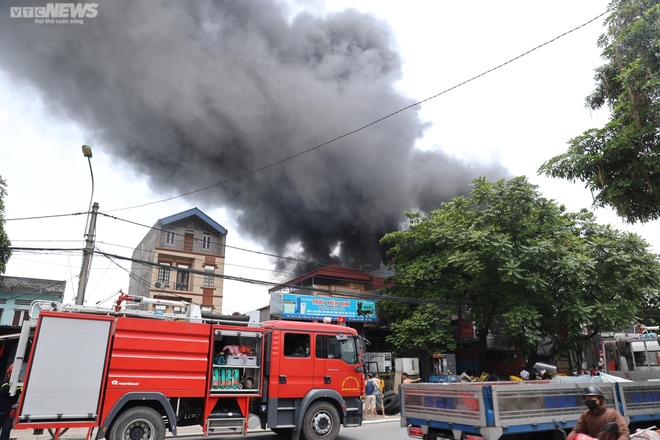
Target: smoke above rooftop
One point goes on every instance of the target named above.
(192, 93)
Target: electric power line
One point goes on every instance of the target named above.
(387, 116)
(363, 295)
(146, 251)
(267, 254)
(44, 216)
(359, 295)
(324, 144)
(179, 235)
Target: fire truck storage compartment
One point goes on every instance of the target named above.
(66, 369)
(236, 361)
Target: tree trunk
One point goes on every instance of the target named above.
(483, 350)
(425, 366)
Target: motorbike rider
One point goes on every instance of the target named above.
(592, 421)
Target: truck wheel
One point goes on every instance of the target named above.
(321, 422)
(139, 423)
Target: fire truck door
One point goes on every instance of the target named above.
(339, 359)
(296, 369)
(66, 368)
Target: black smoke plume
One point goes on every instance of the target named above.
(190, 93)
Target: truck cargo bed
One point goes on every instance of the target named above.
(496, 409)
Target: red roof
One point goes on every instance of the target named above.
(334, 271)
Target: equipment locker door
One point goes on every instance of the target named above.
(65, 372)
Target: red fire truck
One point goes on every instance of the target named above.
(134, 374)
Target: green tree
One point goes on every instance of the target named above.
(422, 332)
(509, 256)
(620, 163)
(5, 253)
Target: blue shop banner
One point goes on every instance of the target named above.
(319, 307)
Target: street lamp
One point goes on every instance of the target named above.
(87, 152)
(89, 237)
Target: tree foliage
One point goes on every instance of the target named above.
(5, 253)
(512, 257)
(423, 331)
(620, 163)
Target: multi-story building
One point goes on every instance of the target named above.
(17, 293)
(182, 257)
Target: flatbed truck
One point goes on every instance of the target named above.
(517, 410)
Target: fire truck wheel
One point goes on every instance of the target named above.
(139, 423)
(321, 422)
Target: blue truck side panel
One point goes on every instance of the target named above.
(495, 409)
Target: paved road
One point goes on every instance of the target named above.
(370, 430)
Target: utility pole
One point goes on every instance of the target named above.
(87, 256)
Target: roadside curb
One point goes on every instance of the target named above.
(395, 418)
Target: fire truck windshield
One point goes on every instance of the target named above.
(347, 349)
(337, 347)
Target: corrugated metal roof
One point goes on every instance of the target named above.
(9, 329)
(32, 285)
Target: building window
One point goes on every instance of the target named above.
(169, 239)
(164, 274)
(20, 316)
(160, 307)
(206, 241)
(182, 275)
(210, 277)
